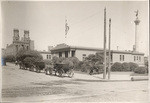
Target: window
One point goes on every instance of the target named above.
(47, 56)
(123, 57)
(73, 54)
(84, 56)
(23, 47)
(60, 54)
(134, 58)
(27, 47)
(66, 54)
(139, 58)
(120, 57)
(111, 57)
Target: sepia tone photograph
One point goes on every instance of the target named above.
(75, 51)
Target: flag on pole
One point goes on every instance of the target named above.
(66, 28)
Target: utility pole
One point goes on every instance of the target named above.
(109, 58)
(104, 74)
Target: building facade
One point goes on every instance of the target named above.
(63, 50)
(25, 43)
(46, 55)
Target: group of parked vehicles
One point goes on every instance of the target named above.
(57, 69)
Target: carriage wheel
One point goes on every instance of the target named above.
(60, 72)
(46, 71)
(38, 70)
(70, 73)
(30, 69)
(50, 71)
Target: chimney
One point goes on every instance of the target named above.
(50, 47)
(134, 48)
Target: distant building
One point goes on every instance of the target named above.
(25, 43)
(46, 55)
(63, 50)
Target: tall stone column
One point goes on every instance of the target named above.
(137, 21)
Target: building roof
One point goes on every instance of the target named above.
(127, 52)
(11, 45)
(45, 52)
(65, 46)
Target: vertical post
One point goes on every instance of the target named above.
(65, 27)
(104, 74)
(135, 37)
(137, 21)
(109, 59)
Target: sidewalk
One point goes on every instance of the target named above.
(114, 76)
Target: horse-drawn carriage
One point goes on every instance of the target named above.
(60, 69)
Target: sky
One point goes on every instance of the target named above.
(46, 23)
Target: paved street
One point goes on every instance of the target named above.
(23, 85)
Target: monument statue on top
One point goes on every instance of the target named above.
(137, 12)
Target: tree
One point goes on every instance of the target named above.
(75, 62)
(29, 62)
(99, 57)
(22, 54)
(55, 59)
(146, 65)
(10, 58)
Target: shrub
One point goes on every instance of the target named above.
(125, 66)
(55, 59)
(99, 65)
(116, 67)
(99, 56)
(93, 61)
(133, 66)
(75, 62)
(68, 62)
(40, 64)
(10, 58)
(140, 70)
(79, 65)
(85, 67)
(61, 59)
(22, 54)
(146, 65)
(48, 62)
(29, 61)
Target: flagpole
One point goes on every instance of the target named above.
(66, 29)
(65, 26)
